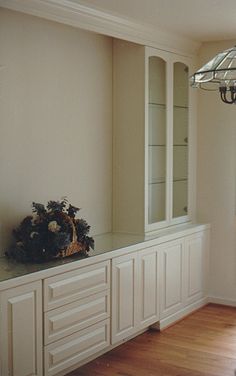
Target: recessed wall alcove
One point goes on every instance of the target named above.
(56, 119)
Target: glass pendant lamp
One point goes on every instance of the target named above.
(219, 73)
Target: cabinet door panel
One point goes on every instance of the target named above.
(172, 278)
(21, 330)
(195, 267)
(124, 290)
(148, 288)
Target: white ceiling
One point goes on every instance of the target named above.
(199, 20)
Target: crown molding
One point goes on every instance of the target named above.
(77, 15)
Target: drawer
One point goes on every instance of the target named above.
(70, 351)
(71, 286)
(66, 320)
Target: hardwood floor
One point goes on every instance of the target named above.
(203, 344)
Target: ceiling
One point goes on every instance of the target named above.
(199, 20)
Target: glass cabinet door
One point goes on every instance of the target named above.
(157, 140)
(180, 140)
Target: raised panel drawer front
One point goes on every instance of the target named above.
(172, 281)
(80, 283)
(71, 350)
(66, 320)
(21, 331)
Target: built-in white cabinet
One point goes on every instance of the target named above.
(21, 330)
(148, 287)
(183, 274)
(167, 139)
(153, 151)
(135, 292)
(172, 277)
(196, 266)
(70, 351)
(68, 287)
(73, 316)
(124, 296)
(76, 316)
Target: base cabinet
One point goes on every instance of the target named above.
(76, 317)
(172, 277)
(196, 267)
(135, 294)
(148, 287)
(157, 285)
(183, 274)
(69, 351)
(124, 296)
(21, 331)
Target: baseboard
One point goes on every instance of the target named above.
(170, 320)
(222, 301)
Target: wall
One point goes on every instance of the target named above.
(216, 181)
(55, 119)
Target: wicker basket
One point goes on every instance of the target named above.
(74, 246)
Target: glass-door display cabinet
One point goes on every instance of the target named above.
(167, 158)
(153, 161)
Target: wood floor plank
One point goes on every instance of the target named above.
(203, 344)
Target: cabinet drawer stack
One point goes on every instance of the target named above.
(76, 316)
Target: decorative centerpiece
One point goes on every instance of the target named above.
(51, 232)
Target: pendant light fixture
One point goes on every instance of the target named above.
(219, 73)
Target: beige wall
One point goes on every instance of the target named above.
(55, 119)
(216, 180)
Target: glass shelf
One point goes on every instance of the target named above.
(164, 181)
(157, 182)
(164, 105)
(151, 145)
(160, 145)
(184, 145)
(175, 180)
(157, 104)
(177, 106)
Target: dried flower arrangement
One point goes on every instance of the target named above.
(51, 232)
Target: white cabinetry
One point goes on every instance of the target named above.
(196, 267)
(172, 277)
(148, 287)
(76, 318)
(135, 294)
(21, 331)
(153, 154)
(124, 296)
(183, 270)
(69, 351)
(68, 287)
(158, 284)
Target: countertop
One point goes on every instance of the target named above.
(104, 243)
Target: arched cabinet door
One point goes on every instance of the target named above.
(157, 140)
(180, 175)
